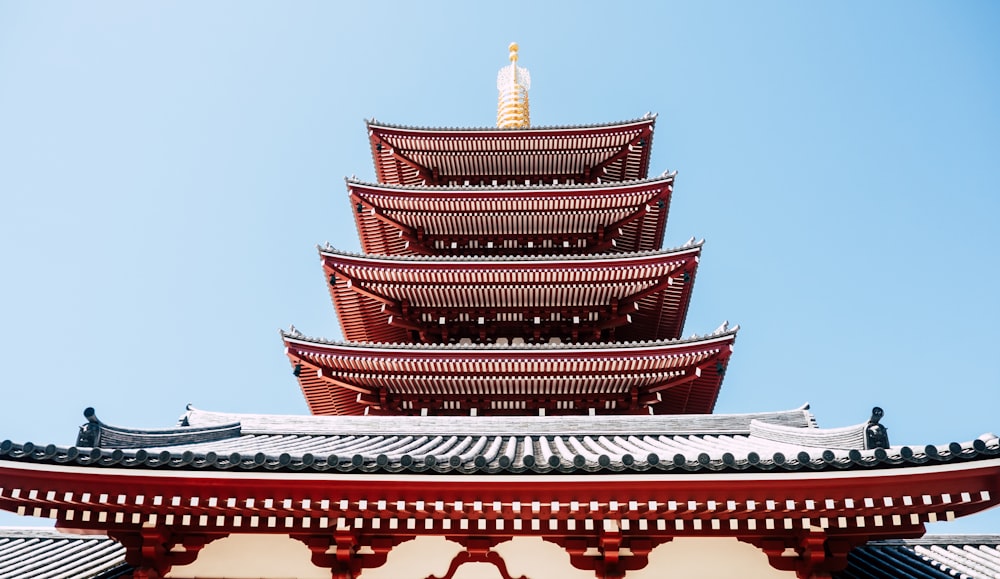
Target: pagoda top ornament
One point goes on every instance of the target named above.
(513, 83)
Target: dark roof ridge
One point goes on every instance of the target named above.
(373, 122)
(98, 434)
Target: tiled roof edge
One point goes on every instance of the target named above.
(722, 331)
(942, 540)
(431, 464)
(688, 246)
(650, 117)
(96, 433)
(667, 176)
(46, 533)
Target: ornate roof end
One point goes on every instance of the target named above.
(876, 435)
(89, 432)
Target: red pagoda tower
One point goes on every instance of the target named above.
(515, 271)
(512, 380)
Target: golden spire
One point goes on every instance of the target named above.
(513, 83)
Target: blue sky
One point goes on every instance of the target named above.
(166, 170)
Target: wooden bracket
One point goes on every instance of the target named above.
(478, 550)
(811, 555)
(610, 554)
(150, 551)
(346, 553)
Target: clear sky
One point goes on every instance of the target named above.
(167, 169)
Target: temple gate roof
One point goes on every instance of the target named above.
(758, 477)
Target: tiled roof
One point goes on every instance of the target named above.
(34, 553)
(414, 156)
(564, 219)
(932, 557)
(481, 445)
(639, 296)
(669, 376)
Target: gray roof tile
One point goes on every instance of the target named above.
(486, 445)
(932, 557)
(47, 554)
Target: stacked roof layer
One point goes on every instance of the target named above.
(666, 377)
(512, 238)
(535, 220)
(631, 297)
(546, 155)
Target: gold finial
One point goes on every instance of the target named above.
(513, 83)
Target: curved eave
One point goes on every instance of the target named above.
(411, 452)
(512, 262)
(621, 218)
(669, 377)
(891, 502)
(629, 297)
(585, 154)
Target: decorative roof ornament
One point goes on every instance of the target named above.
(513, 83)
(876, 435)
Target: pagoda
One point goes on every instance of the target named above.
(513, 396)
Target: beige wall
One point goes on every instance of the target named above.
(279, 557)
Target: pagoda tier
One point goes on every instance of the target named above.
(540, 220)
(625, 297)
(532, 156)
(670, 377)
(367, 484)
